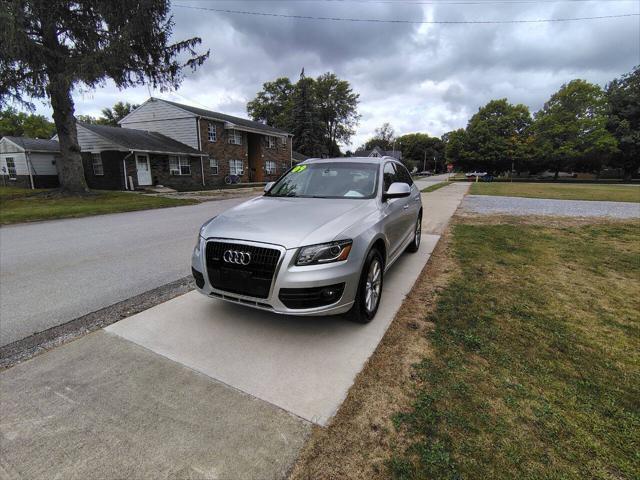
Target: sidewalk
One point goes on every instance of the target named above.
(194, 388)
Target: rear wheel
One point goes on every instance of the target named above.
(417, 234)
(369, 293)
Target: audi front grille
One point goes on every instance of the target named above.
(253, 279)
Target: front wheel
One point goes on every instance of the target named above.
(417, 235)
(369, 292)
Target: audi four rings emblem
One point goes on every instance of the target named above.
(239, 258)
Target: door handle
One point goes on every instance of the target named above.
(405, 207)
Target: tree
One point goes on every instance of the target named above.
(571, 128)
(623, 122)
(337, 110)
(20, 124)
(273, 104)
(383, 138)
(421, 150)
(50, 47)
(307, 127)
(496, 137)
(454, 146)
(330, 101)
(111, 116)
(88, 119)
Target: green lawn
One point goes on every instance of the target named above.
(535, 368)
(562, 191)
(22, 205)
(434, 187)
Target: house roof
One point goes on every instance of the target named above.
(141, 140)
(241, 122)
(397, 154)
(298, 157)
(34, 144)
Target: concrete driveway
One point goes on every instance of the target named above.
(194, 388)
(52, 272)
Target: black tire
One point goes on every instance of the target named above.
(417, 235)
(362, 311)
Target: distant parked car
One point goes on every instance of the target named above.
(549, 174)
(474, 175)
(425, 173)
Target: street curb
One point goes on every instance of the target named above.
(26, 348)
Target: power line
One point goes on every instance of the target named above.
(374, 20)
(439, 2)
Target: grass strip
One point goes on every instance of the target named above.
(561, 191)
(534, 371)
(23, 205)
(434, 187)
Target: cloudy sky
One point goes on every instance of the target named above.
(418, 77)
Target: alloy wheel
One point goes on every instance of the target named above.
(373, 286)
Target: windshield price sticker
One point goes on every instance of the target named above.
(298, 168)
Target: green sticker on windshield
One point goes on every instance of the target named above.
(298, 168)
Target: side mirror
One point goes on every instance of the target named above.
(268, 186)
(397, 190)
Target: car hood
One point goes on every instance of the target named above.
(290, 222)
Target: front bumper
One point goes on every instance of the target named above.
(287, 276)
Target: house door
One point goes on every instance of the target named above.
(144, 170)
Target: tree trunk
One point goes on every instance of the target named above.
(70, 170)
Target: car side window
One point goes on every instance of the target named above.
(389, 175)
(404, 174)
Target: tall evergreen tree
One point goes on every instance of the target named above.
(50, 47)
(307, 127)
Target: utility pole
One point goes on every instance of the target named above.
(424, 162)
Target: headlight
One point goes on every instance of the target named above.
(201, 233)
(324, 253)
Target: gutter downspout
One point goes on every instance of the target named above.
(27, 156)
(290, 151)
(200, 148)
(124, 169)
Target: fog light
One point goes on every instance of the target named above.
(330, 293)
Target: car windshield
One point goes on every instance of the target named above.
(328, 180)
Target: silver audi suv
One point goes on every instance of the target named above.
(318, 242)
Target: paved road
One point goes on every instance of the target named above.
(53, 272)
(428, 181)
(487, 204)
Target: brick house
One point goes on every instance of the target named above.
(127, 159)
(29, 162)
(252, 150)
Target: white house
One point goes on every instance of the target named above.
(29, 162)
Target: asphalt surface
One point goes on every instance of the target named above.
(486, 204)
(53, 272)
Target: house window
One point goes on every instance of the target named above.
(271, 141)
(283, 140)
(270, 167)
(236, 167)
(235, 137)
(96, 162)
(11, 168)
(179, 165)
(213, 164)
(211, 132)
